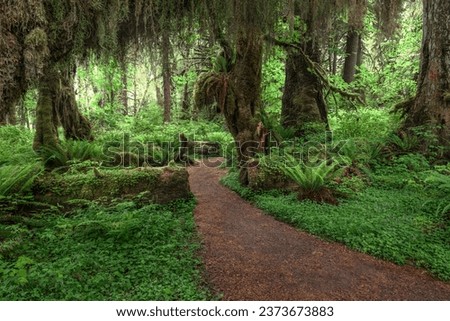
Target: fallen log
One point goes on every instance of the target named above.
(149, 185)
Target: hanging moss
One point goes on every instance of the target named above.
(35, 54)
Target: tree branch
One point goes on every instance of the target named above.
(316, 69)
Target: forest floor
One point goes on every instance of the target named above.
(249, 255)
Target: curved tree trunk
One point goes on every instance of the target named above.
(75, 125)
(431, 106)
(57, 105)
(303, 100)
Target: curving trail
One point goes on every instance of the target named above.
(250, 256)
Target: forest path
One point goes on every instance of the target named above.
(250, 256)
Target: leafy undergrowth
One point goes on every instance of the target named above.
(398, 223)
(96, 253)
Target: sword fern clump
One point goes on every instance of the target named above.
(312, 179)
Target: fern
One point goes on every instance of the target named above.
(442, 183)
(54, 157)
(81, 150)
(404, 143)
(18, 179)
(308, 178)
(69, 151)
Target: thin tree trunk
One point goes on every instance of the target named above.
(185, 104)
(124, 80)
(431, 106)
(159, 96)
(167, 77)
(22, 113)
(335, 60)
(351, 55)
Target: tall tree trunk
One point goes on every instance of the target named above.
(351, 55)
(431, 106)
(46, 134)
(303, 100)
(167, 76)
(243, 100)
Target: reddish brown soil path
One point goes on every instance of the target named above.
(250, 256)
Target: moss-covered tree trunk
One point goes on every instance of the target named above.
(303, 100)
(46, 134)
(431, 106)
(57, 105)
(243, 103)
(75, 125)
(8, 110)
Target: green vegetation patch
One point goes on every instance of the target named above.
(118, 253)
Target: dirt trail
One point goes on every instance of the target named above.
(250, 256)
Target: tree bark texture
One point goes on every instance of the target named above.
(12, 83)
(243, 98)
(8, 109)
(46, 134)
(351, 55)
(167, 77)
(432, 102)
(303, 100)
